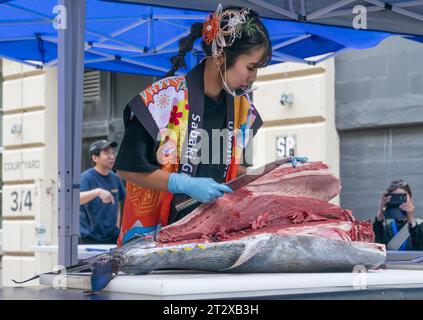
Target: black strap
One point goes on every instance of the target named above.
(144, 116)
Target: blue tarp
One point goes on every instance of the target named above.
(27, 33)
(393, 16)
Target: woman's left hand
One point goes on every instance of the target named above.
(409, 208)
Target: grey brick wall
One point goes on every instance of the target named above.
(103, 118)
(372, 158)
(379, 115)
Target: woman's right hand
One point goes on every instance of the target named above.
(382, 203)
(201, 189)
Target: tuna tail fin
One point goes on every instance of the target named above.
(103, 271)
(101, 276)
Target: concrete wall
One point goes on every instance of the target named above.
(311, 117)
(29, 168)
(379, 114)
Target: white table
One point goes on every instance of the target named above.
(202, 285)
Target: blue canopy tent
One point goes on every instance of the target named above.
(394, 16)
(140, 38)
(125, 37)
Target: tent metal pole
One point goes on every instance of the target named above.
(176, 24)
(291, 41)
(98, 60)
(408, 13)
(291, 7)
(26, 10)
(50, 63)
(396, 9)
(303, 8)
(286, 36)
(50, 39)
(407, 4)
(17, 39)
(179, 17)
(111, 19)
(170, 41)
(105, 55)
(282, 57)
(145, 65)
(140, 52)
(38, 66)
(88, 31)
(125, 29)
(154, 53)
(328, 9)
(95, 44)
(20, 22)
(373, 8)
(150, 26)
(131, 61)
(347, 12)
(121, 42)
(70, 86)
(274, 8)
(331, 55)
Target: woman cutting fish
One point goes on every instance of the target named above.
(168, 150)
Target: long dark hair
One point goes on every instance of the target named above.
(243, 45)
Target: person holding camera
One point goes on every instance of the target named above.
(395, 224)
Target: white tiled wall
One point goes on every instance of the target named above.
(29, 168)
(311, 117)
(18, 268)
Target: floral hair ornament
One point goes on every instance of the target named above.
(223, 27)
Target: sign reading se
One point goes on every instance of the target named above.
(286, 146)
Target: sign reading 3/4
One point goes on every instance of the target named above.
(286, 146)
(22, 199)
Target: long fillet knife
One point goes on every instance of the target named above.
(243, 180)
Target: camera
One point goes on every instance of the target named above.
(392, 210)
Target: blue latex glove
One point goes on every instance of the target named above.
(295, 160)
(201, 189)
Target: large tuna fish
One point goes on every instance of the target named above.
(282, 222)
